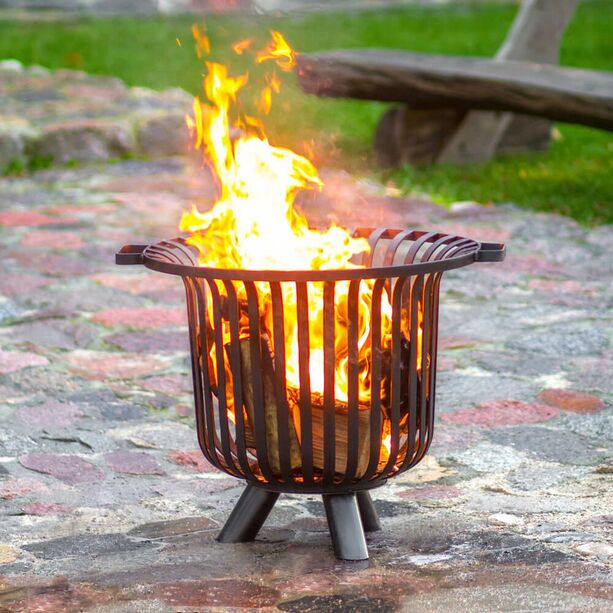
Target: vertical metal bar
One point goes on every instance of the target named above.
(284, 420)
(255, 354)
(203, 357)
(329, 408)
(192, 315)
(396, 396)
(394, 245)
(433, 356)
(234, 358)
(375, 389)
(224, 432)
(353, 383)
(409, 258)
(415, 377)
(426, 368)
(373, 240)
(306, 428)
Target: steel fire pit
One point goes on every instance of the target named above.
(253, 425)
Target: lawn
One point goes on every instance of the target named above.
(575, 177)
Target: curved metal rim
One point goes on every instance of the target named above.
(346, 274)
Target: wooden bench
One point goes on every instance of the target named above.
(460, 109)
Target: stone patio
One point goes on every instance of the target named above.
(106, 504)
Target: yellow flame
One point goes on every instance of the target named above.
(279, 51)
(386, 447)
(242, 45)
(203, 45)
(265, 101)
(254, 225)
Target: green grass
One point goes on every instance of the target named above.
(575, 177)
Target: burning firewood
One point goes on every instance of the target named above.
(270, 407)
(341, 433)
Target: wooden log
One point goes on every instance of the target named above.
(430, 81)
(341, 433)
(270, 408)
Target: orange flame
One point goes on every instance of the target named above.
(279, 51)
(242, 45)
(254, 225)
(386, 447)
(265, 102)
(203, 45)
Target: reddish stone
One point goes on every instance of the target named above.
(167, 384)
(52, 240)
(115, 235)
(569, 400)
(137, 284)
(192, 460)
(456, 342)
(210, 593)
(10, 361)
(450, 438)
(14, 488)
(98, 365)
(46, 508)
(181, 489)
(147, 317)
(88, 209)
(183, 410)
(531, 264)
(153, 341)
(434, 492)
(18, 285)
(58, 597)
(133, 463)
(502, 413)
(570, 287)
(54, 264)
(489, 234)
(50, 414)
(26, 218)
(70, 469)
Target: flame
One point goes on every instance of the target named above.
(265, 101)
(203, 44)
(254, 225)
(242, 45)
(386, 447)
(278, 50)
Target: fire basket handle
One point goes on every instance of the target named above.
(490, 252)
(130, 254)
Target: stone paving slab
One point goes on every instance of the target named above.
(106, 505)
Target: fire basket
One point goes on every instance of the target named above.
(268, 412)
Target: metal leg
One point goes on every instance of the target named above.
(248, 515)
(368, 513)
(345, 526)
